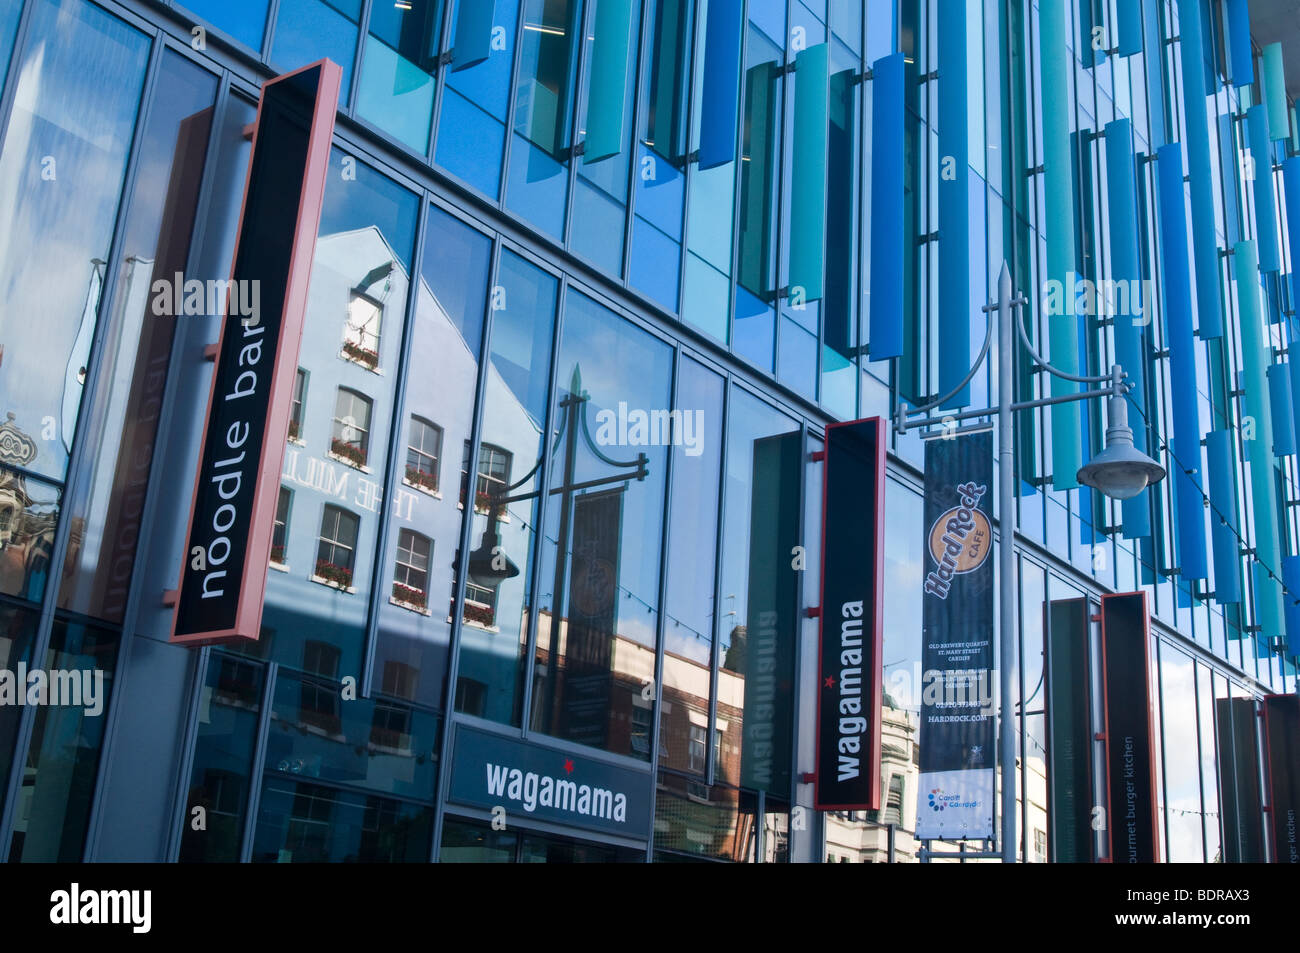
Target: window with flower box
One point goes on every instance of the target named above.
(423, 451)
(411, 579)
(493, 477)
(361, 338)
(351, 441)
(336, 552)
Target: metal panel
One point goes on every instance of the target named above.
(1126, 272)
(808, 188)
(953, 190)
(720, 101)
(1260, 170)
(1279, 396)
(1274, 92)
(1186, 467)
(1056, 59)
(611, 45)
(1205, 248)
(888, 147)
(473, 42)
(1223, 521)
(1241, 60)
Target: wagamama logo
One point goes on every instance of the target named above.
(959, 540)
(532, 790)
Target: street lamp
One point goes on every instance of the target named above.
(1120, 471)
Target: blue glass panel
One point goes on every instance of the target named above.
(797, 358)
(755, 329)
(721, 93)
(1182, 364)
(473, 38)
(1197, 138)
(1279, 395)
(245, 20)
(1291, 579)
(396, 92)
(472, 118)
(1223, 518)
(954, 204)
(1129, 26)
(1261, 172)
(308, 30)
(656, 264)
(1241, 60)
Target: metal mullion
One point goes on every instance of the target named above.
(395, 448)
(358, 61)
(189, 738)
(257, 769)
(268, 32)
(710, 767)
(738, 145)
(543, 498)
(10, 89)
(690, 170)
(152, 493)
(643, 63)
(77, 456)
(466, 533)
(440, 81)
(579, 74)
(661, 627)
(509, 132)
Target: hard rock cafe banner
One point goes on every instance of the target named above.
(957, 737)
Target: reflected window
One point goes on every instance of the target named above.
(351, 439)
(411, 580)
(422, 454)
(337, 548)
(280, 534)
(299, 399)
(361, 335)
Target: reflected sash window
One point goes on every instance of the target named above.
(337, 545)
(299, 399)
(422, 454)
(351, 439)
(411, 581)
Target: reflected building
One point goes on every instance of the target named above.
(550, 499)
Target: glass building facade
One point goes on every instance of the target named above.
(566, 323)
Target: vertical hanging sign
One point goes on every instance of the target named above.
(849, 690)
(1282, 757)
(228, 543)
(1131, 826)
(958, 743)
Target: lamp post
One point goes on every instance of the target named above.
(1120, 472)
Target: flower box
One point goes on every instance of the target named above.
(362, 355)
(295, 430)
(480, 614)
(425, 481)
(352, 455)
(339, 576)
(408, 595)
(277, 554)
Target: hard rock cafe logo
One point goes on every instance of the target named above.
(959, 540)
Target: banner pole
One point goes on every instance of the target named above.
(1006, 562)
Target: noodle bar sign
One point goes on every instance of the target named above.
(223, 577)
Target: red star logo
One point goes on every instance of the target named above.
(830, 682)
(568, 765)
